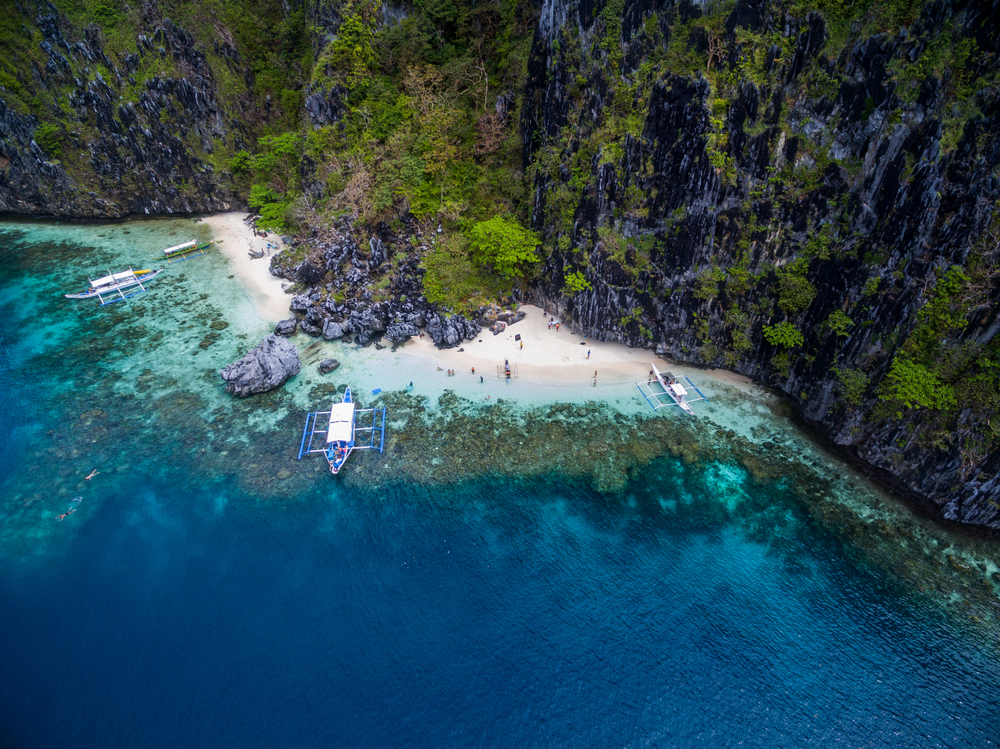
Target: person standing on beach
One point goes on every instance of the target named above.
(588, 353)
(595, 378)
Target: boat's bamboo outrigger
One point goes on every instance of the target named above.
(110, 288)
(670, 387)
(186, 251)
(507, 370)
(347, 429)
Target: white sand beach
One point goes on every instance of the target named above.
(235, 240)
(550, 355)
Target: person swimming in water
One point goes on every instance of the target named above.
(92, 474)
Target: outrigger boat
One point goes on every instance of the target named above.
(185, 251)
(669, 386)
(111, 288)
(344, 432)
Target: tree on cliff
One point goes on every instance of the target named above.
(504, 245)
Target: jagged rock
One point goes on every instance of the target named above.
(300, 303)
(264, 368)
(310, 274)
(309, 329)
(378, 252)
(449, 332)
(332, 330)
(286, 327)
(398, 332)
(315, 317)
(328, 365)
(366, 323)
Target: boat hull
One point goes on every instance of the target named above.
(139, 278)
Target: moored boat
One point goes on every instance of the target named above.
(340, 438)
(111, 288)
(669, 386)
(340, 433)
(186, 250)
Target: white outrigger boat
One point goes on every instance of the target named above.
(670, 386)
(111, 288)
(341, 435)
(185, 251)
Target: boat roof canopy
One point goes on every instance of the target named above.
(341, 423)
(179, 247)
(113, 278)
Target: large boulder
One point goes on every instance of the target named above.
(449, 332)
(286, 327)
(328, 365)
(398, 332)
(266, 367)
(332, 330)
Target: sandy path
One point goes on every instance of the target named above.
(234, 240)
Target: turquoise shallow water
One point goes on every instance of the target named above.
(200, 596)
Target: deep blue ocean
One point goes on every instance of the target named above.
(178, 608)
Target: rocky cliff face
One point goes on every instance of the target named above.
(148, 127)
(814, 214)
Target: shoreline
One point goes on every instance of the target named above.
(551, 356)
(235, 240)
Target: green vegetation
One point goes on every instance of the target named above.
(795, 293)
(276, 178)
(706, 286)
(49, 139)
(574, 283)
(839, 323)
(453, 280)
(853, 383)
(784, 334)
(914, 386)
(503, 245)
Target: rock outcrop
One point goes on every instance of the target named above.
(266, 367)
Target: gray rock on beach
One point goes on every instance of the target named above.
(286, 327)
(332, 330)
(398, 332)
(309, 329)
(268, 366)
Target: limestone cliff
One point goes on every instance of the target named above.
(108, 111)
